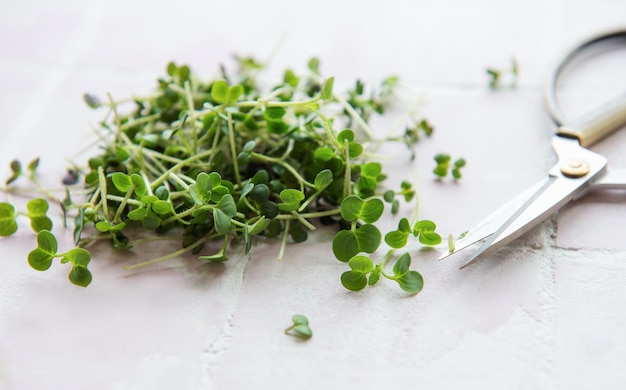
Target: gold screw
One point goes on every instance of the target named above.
(575, 168)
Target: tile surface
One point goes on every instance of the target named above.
(547, 311)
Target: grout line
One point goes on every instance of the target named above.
(220, 344)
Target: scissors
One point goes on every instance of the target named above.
(577, 172)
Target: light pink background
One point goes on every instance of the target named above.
(547, 312)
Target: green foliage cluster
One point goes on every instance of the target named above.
(221, 161)
(443, 166)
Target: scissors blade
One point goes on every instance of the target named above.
(549, 196)
(490, 224)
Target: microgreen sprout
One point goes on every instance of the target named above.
(300, 327)
(499, 78)
(221, 162)
(443, 166)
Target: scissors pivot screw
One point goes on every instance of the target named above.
(575, 168)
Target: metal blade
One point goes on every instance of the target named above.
(489, 225)
(489, 244)
(611, 180)
(556, 191)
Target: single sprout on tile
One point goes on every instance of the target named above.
(442, 168)
(300, 327)
(501, 78)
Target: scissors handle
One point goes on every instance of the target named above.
(598, 124)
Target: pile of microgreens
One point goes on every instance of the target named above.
(221, 162)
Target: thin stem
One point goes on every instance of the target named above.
(303, 221)
(103, 191)
(317, 214)
(283, 242)
(180, 216)
(355, 115)
(191, 111)
(187, 161)
(233, 151)
(169, 256)
(120, 208)
(347, 177)
(118, 122)
(303, 181)
(120, 199)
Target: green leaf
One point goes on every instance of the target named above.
(389, 196)
(345, 245)
(368, 237)
(348, 243)
(221, 221)
(203, 182)
(151, 221)
(140, 185)
(8, 223)
(371, 169)
(425, 229)
(259, 226)
(121, 181)
(398, 238)
(80, 276)
(354, 208)
(219, 91)
(269, 209)
(354, 149)
(227, 205)
(16, 169)
(291, 199)
(374, 276)
(47, 242)
(104, 226)
(356, 278)
(442, 158)
(41, 257)
(323, 154)
(314, 65)
(234, 93)
(161, 207)
(260, 193)
(370, 177)
(274, 113)
(346, 134)
(32, 166)
(409, 281)
(290, 78)
(298, 234)
(327, 89)
(300, 326)
(299, 319)
(77, 256)
(37, 209)
(323, 179)
(79, 224)
(402, 264)
(138, 214)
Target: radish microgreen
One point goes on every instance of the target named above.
(220, 162)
